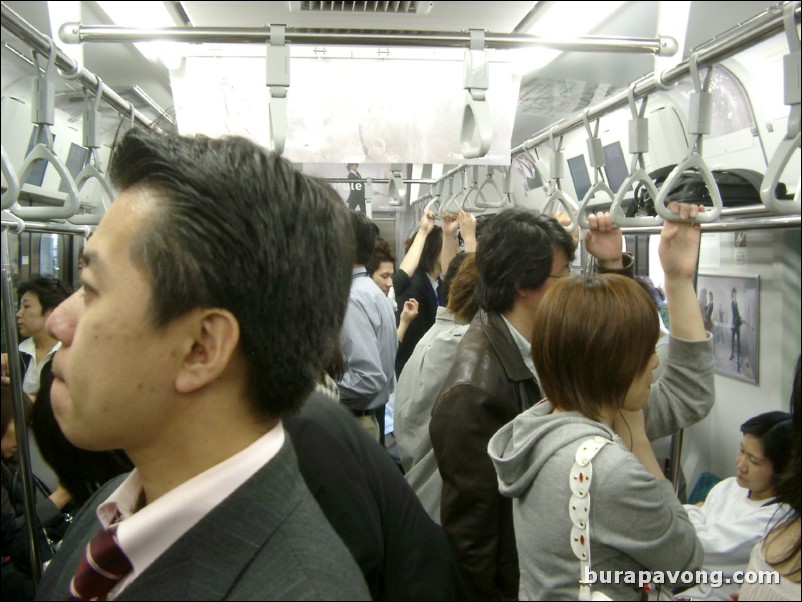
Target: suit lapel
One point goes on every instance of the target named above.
(208, 560)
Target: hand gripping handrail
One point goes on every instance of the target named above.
(596, 156)
(92, 168)
(278, 81)
(476, 189)
(638, 145)
(699, 124)
(556, 194)
(476, 114)
(43, 115)
(481, 200)
(12, 183)
(792, 63)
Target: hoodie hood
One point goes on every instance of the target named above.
(522, 447)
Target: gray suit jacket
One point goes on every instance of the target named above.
(267, 541)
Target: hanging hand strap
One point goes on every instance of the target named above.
(638, 146)
(700, 119)
(596, 156)
(556, 194)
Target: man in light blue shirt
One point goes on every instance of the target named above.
(367, 340)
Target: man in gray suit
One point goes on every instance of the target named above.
(213, 290)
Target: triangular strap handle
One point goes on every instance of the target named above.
(694, 161)
(12, 183)
(481, 201)
(90, 172)
(639, 176)
(71, 204)
(768, 188)
(454, 200)
(476, 124)
(569, 204)
(599, 186)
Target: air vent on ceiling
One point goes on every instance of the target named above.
(376, 7)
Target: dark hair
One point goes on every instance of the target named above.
(453, 267)
(461, 300)
(430, 254)
(655, 293)
(789, 490)
(364, 236)
(238, 228)
(7, 407)
(577, 357)
(515, 252)
(81, 472)
(49, 290)
(381, 253)
(774, 431)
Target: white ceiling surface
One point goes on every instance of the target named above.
(565, 85)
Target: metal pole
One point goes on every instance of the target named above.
(15, 372)
(763, 223)
(50, 228)
(756, 30)
(75, 33)
(26, 32)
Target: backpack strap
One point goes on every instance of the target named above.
(579, 507)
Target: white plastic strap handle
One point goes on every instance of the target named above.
(12, 183)
(92, 168)
(451, 200)
(480, 203)
(477, 127)
(43, 116)
(278, 81)
(792, 64)
(596, 156)
(701, 107)
(638, 145)
(556, 194)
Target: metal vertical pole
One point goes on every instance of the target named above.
(15, 372)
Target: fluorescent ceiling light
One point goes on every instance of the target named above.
(146, 15)
(563, 20)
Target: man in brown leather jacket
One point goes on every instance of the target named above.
(492, 380)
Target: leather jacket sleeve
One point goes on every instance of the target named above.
(472, 513)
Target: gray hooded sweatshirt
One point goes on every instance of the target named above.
(636, 522)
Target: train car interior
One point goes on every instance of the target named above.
(564, 107)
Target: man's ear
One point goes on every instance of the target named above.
(215, 336)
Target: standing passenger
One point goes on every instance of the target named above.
(368, 339)
(213, 290)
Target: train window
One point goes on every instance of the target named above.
(37, 174)
(580, 175)
(615, 166)
(48, 254)
(75, 163)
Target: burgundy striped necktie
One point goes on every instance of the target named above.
(103, 565)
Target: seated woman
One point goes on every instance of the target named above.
(780, 548)
(738, 510)
(593, 346)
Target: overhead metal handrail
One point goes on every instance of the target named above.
(757, 29)
(638, 146)
(77, 33)
(92, 167)
(477, 127)
(792, 64)
(11, 194)
(556, 194)
(41, 43)
(700, 118)
(43, 115)
(12, 222)
(773, 222)
(596, 156)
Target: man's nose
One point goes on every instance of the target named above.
(63, 319)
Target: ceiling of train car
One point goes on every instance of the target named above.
(565, 85)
